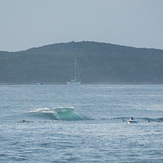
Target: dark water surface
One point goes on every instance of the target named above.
(86, 123)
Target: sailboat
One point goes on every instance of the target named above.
(77, 80)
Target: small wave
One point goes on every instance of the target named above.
(61, 113)
(140, 119)
(161, 119)
(152, 119)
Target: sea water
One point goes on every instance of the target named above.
(86, 123)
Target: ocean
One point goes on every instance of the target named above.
(80, 124)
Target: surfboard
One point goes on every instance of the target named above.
(132, 121)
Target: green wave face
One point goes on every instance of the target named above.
(68, 114)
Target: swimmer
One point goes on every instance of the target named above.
(131, 118)
(122, 119)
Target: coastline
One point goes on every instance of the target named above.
(87, 83)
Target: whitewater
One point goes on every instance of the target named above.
(86, 123)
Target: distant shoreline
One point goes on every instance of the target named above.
(98, 63)
(93, 83)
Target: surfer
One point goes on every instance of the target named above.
(21, 121)
(132, 120)
(122, 119)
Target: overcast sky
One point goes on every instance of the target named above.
(32, 23)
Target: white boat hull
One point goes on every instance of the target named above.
(74, 83)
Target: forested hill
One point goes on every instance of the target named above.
(98, 62)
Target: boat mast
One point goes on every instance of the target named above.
(75, 69)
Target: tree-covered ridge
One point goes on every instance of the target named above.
(98, 62)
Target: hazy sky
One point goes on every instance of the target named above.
(32, 23)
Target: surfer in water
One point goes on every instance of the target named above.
(21, 121)
(132, 120)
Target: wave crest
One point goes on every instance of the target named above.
(62, 113)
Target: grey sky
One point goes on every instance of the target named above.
(32, 23)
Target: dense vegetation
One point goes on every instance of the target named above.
(98, 62)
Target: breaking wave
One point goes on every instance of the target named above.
(69, 114)
(61, 113)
